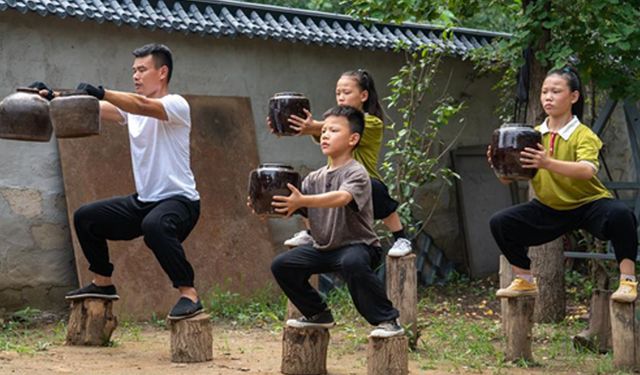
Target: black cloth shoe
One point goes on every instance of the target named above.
(320, 320)
(185, 308)
(93, 291)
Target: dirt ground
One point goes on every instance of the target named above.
(241, 351)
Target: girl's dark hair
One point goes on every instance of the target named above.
(365, 82)
(575, 84)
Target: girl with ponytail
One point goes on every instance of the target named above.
(568, 193)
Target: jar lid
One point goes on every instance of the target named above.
(275, 166)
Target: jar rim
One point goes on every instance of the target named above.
(275, 165)
(516, 125)
(285, 94)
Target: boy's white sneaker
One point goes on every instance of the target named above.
(299, 239)
(400, 248)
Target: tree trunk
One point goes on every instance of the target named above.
(597, 337)
(624, 327)
(191, 339)
(304, 351)
(91, 322)
(388, 356)
(519, 321)
(402, 289)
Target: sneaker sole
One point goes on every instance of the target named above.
(295, 324)
(112, 297)
(519, 294)
(398, 255)
(182, 317)
(386, 334)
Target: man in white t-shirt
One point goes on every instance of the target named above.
(166, 205)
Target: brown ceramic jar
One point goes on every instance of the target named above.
(507, 143)
(24, 115)
(75, 116)
(267, 180)
(282, 106)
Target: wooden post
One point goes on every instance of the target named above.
(304, 351)
(506, 276)
(597, 337)
(547, 265)
(292, 311)
(388, 356)
(623, 332)
(519, 322)
(191, 339)
(402, 289)
(91, 322)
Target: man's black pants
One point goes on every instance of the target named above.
(164, 225)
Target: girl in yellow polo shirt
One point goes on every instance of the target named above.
(357, 89)
(569, 195)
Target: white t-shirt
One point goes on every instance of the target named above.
(160, 152)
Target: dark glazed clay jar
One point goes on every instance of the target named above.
(24, 115)
(268, 180)
(75, 116)
(282, 106)
(506, 144)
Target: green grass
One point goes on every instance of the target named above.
(263, 308)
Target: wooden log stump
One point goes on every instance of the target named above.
(91, 322)
(519, 323)
(506, 276)
(597, 337)
(388, 356)
(402, 289)
(304, 351)
(623, 331)
(292, 311)
(191, 339)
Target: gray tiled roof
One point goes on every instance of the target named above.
(233, 18)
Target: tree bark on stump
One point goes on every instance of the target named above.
(304, 351)
(191, 339)
(623, 331)
(506, 276)
(91, 322)
(292, 310)
(402, 289)
(519, 323)
(597, 337)
(547, 266)
(388, 356)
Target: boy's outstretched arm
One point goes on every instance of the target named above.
(289, 205)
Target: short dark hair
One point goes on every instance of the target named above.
(354, 116)
(161, 56)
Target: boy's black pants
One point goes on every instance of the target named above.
(532, 223)
(292, 270)
(164, 225)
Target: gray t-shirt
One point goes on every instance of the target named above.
(333, 228)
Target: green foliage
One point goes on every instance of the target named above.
(319, 5)
(414, 152)
(264, 307)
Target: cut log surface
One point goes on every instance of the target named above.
(91, 322)
(388, 356)
(191, 339)
(402, 288)
(624, 327)
(304, 351)
(519, 323)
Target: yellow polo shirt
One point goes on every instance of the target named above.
(574, 142)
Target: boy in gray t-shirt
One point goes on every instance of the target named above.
(338, 202)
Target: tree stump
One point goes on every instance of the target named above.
(191, 339)
(506, 276)
(402, 289)
(388, 356)
(623, 331)
(91, 322)
(597, 337)
(292, 310)
(547, 265)
(519, 323)
(304, 351)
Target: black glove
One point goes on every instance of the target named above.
(97, 92)
(42, 86)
